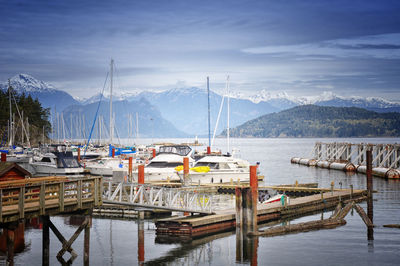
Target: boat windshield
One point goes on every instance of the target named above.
(67, 163)
(163, 164)
(180, 150)
(209, 164)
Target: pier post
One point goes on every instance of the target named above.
(130, 168)
(10, 234)
(3, 157)
(86, 241)
(140, 242)
(141, 174)
(185, 170)
(370, 206)
(250, 201)
(239, 209)
(45, 241)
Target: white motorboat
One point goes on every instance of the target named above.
(108, 165)
(162, 167)
(56, 163)
(219, 169)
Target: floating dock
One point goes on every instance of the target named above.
(226, 220)
(349, 157)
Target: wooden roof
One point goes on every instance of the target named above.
(5, 167)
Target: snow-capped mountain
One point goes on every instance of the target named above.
(47, 94)
(283, 100)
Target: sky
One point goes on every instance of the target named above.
(304, 48)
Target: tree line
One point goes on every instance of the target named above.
(27, 112)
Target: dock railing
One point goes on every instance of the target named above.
(47, 196)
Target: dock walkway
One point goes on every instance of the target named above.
(224, 220)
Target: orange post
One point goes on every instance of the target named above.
(3, 157)
(154, 153)
(113, 152)
(208, 150)
(185, 166)
(185, 169)
(130, 166)
(141, 174)
(79, 154)
(253, 177)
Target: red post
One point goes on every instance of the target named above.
(130, 166)
(208, 150)
(154, 153)
(253, 177)
(4, 157)
(113, 152)
(141, 174)
(79, 154)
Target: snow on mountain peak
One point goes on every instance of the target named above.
(27, 83)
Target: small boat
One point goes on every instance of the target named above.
(276, 198)
(162, 166)
(56, 163)
(219, 169)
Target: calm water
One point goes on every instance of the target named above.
(115, 242)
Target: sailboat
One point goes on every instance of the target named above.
(218, 168)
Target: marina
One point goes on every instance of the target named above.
(306, 199)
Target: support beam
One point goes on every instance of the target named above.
(45, 240)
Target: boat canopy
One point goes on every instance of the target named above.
(182, 150)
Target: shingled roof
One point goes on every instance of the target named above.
(7, 166)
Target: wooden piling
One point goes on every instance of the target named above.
(140, 242)
(238, 206)
(250, 201)
(45, 241)
(141, 174)
(10, 246)
(86, 243)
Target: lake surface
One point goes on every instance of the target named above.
(115, 242)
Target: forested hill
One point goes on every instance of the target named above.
(321, 121)
(34, 117)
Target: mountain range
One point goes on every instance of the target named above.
(184, 110)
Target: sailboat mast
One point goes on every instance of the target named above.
(209, 120)
(228, 111)
(137, 128)
(11, 121)
(111, 113)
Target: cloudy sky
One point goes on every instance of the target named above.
(301, 47)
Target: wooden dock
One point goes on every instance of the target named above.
(226, 220)
(35, 197)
